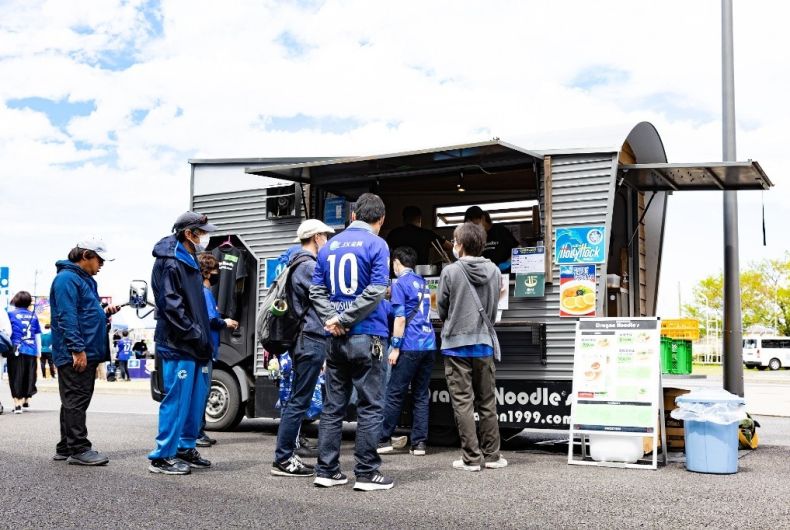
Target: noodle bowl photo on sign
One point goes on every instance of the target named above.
(577, 291)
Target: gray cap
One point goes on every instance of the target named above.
(193, 220)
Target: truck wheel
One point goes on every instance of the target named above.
(774, 364)
(224, 409)
(761, 368)
(443, 435)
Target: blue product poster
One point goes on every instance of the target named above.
(580, 244)
(335, 212)
(273, 269)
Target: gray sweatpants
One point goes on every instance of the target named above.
(471, 382)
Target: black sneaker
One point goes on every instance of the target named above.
(305, 442)
(418, 449)
(26, 405)
(384, 447)
(373, 481)
(307, 452)
(60, 457)
(293, 467)
(169, 466)
(193, 458)
(327, 481)
(88, 458)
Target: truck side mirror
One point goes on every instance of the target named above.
(138, 294)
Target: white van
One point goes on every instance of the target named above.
(766, 352)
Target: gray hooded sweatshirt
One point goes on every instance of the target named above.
(463, 324)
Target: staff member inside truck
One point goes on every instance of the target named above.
(349, 283)
(308, 355)
(499, 240)
(413, 235)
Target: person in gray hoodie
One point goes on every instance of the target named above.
(469, 347)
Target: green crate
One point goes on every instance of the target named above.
(666, 354)
(676, 356)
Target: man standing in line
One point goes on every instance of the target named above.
(79, 344)
(124, 352)
(308, 354)
(46, 352)
(350, 280)
(183, 342)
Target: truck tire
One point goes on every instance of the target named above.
(774, 364)
(224, 409)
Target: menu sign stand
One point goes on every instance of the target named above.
(617, 387)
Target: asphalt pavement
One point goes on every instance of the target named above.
(537, 489)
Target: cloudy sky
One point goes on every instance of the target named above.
(102, 103)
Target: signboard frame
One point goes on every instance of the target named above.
(613, 329)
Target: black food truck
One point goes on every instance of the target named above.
(620, 192)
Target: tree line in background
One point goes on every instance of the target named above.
(765, 297)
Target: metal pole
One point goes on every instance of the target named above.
(732, 357)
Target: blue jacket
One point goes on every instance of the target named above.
(78, 320)
(182, 324)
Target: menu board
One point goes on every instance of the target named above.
(616, 375)
(529, 266)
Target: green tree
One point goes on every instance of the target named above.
(765, 296)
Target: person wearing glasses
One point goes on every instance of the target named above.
(79, 345)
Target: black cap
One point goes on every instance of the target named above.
(473, 212)
(193, 220)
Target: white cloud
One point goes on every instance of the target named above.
(442, 72)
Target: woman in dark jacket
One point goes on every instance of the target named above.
(22, 362)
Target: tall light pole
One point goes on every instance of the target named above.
(732, 357)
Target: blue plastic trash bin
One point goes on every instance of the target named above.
(711, 430)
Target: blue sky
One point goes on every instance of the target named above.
(103, 103)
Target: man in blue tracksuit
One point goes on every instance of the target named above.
(183, 342)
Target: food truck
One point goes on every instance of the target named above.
(589, 226)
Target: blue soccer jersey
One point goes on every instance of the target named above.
(410, 292)
(124, 349)
(24, 328)
(347, 264)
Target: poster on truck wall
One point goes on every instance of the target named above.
(528, 264)
(577, 291)
(580, 245)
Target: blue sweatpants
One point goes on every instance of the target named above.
(181, 412)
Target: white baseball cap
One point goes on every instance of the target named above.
(97, 245)
(311, 227)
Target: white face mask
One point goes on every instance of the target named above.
(204, 240)
(456, 253)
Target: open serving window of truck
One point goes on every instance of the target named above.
(589, 224)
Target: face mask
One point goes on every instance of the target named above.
(455, 253)
(213, 279)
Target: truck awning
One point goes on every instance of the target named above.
(697, 177)
(493, 155)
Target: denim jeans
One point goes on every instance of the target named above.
(413, 368)
(350, 363)
(308, 359)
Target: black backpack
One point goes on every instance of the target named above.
(278, 325)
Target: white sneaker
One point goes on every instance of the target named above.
(399, 442)
(497, 464)
(459, 464)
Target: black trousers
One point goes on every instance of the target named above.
(22, 372)
(76, 391)
(46, 359)
(124, 366)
